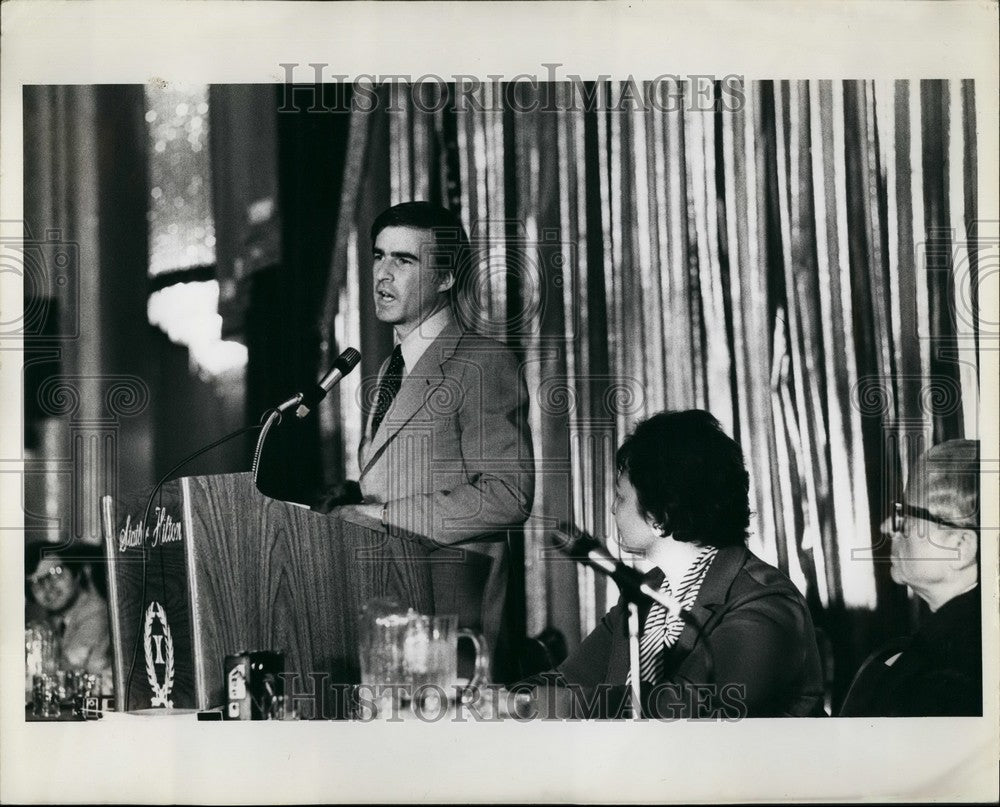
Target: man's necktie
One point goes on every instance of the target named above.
(388, 387)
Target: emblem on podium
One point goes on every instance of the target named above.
(159, 648)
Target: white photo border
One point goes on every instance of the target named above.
(219, 41)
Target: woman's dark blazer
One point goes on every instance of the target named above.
(749, 650)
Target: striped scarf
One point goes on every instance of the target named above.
(662, 629)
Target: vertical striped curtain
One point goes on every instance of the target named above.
(795, 263)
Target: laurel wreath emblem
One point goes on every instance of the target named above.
(161, 694)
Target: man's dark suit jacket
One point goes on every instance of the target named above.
(755, 654)
(937, 672)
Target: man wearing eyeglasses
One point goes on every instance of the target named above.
(935, 552)
(60, 582)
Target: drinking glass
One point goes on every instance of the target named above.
(41, 653)
(45, 696)
(406, 655)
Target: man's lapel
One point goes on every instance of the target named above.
(417, 388)
(365, 448)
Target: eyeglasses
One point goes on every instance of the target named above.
(51, 576)
(901, 511)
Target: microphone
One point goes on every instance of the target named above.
(586, 549)
(345, 362)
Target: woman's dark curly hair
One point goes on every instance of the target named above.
(689, 476)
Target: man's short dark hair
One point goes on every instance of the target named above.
(72, 556)
(689, 475)
(452, 252)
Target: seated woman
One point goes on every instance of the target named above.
(63, 595)
(745, 646)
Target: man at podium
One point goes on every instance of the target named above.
(446, 453)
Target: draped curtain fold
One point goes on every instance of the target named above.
(796, 265)
(87, 387)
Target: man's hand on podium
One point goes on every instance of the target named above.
(364, 515)
(346, 492)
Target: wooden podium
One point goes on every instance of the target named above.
(229, 570)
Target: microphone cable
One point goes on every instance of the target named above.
(157, 488)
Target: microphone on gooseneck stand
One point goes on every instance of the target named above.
(306, 401)
(345, 362)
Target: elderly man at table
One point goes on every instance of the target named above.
(935, 552)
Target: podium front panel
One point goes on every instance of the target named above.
(242, 572)
(149, 603)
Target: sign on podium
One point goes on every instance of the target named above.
(221, 569)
